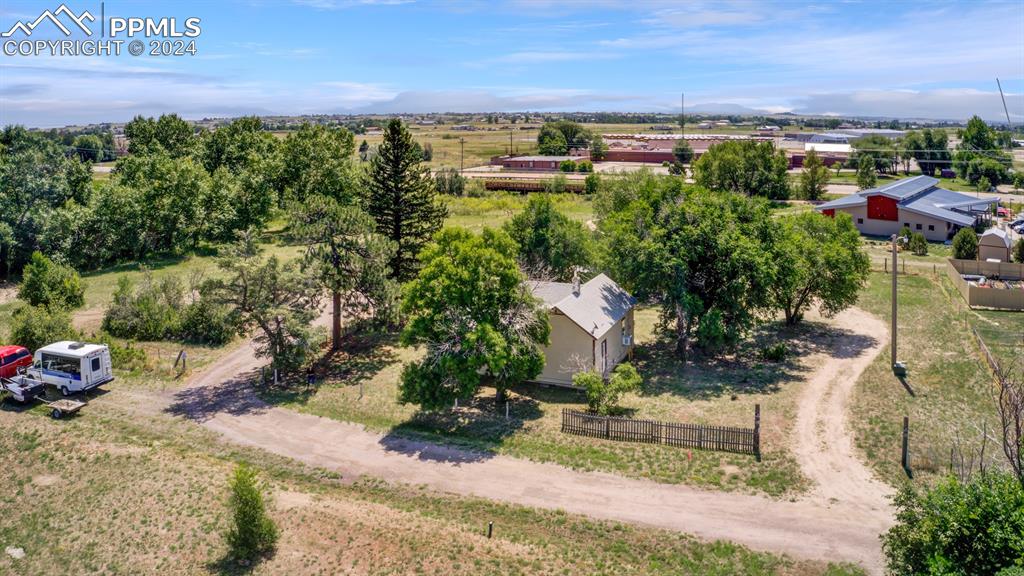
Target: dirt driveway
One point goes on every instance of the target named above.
(839, 520)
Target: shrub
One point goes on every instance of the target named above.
(1018, 251)
(965, 244)
(918, 244)
(984, 184)
(252, 533)
(677, 169)
(592, 184)
(149, 313)
(205, 323)
(123, 356)
(36, 326)
(567, 166)
(50, 284)
(905, 233)
(449, 181)
(556, 185)
(475, 188)
(603, 395)
(957, 528)
(664, 163)
(774, 353)
(584, 166)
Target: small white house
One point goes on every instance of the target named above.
(73, 366)
(591, 327)
(994, 245)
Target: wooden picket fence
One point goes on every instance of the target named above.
(700, 436)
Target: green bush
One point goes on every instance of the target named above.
(603, 395)
(958, 528)
(474, 188)
(123, 356)
(592, 184)
(774, 353)
(584, 166)
(449, 181)
(253, 533)
(918, 244)
(556, 185)
(205, 323)
(50, 284)
(36, 326)
(965, 244)
(567, 166)
(1018, 251)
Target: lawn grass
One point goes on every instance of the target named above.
(952, 388)
(496, 209)
(116, 490)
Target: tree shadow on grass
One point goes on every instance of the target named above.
(743, 371)
(227, 565)
(470, 433)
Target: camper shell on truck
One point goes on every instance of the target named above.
(73, 366)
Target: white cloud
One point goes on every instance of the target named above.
(953, 104)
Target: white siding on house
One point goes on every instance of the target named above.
(940, 231)
(571, 350)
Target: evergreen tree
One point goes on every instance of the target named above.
(814, 178)
(402, 198)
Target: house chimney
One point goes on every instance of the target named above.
(575, 282)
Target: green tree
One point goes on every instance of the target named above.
(591, 184)
(881, 150)
(682, 151)
(866, 173)
(35, 326)
(89, 148)
(237, 145)
(929, 148)
(318, 160)
(603, 394)
(978, 154)
(745, 167)
(567, 166)
(957, 528)
(598, 149)
(965, 244)
(364, 151)
(814, 177)
(402, 199)
(51, 285)
(348, 258)
(820, 260)
(252, 533)
(551, 245)
(701, 255)
(168, 134)
(551, 142)
(1018, 251)
(277, 299)
(470, 307)
(448, 181)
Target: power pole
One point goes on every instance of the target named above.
(462, 154)
(510, 142)
(682, 113)
(897, 367)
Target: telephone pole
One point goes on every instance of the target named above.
(682, 113)
(462, 155)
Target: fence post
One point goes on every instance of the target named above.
(607, 431)
(905, 459)
(757, 432)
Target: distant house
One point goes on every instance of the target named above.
(994, 244)
(535, 163)
(591, 327)
(916, 203)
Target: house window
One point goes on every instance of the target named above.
(931, 227)
(860, 220)
(906, 224)
(918, 226)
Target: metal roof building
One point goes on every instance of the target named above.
(917, 203)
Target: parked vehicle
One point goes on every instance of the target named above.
(21, 388)
(12, 358)
(72, 366)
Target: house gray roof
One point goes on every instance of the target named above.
(921, 196)
(997, 233)
(600, 304)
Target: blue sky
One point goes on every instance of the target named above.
(897, 58)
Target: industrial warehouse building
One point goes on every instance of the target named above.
(916, 203)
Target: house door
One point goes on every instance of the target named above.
(604, 355)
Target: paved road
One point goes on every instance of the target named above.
(839, 520)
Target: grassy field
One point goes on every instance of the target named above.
(952, 390)
(495, 210)
(361, 386)
(118, 492)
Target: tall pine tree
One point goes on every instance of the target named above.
(402, 198)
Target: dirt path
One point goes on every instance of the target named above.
(839, 521)
(822, 441)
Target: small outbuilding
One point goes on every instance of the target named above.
(591, 327)
(994, 244)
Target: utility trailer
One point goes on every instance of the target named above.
(22, 388)
(63, 407)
